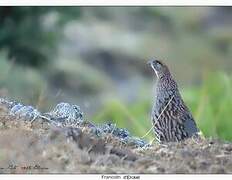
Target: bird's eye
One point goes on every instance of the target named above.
(158, 65)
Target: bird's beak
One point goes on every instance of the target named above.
(151, 63)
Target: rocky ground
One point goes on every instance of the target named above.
(42, 148)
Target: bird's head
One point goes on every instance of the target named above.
(160, 68)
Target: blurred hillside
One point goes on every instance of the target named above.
(96, 57)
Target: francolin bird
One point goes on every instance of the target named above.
(171, 118)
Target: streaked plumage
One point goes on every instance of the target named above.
(176, 122)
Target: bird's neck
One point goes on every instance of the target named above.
(166, 86)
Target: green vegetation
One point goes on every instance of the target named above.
(210, 104)
(20, 79)
(26, 32)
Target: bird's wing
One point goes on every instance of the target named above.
(184, 116)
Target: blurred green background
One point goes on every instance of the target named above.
(96, 57)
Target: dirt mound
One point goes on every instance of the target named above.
(39, 147)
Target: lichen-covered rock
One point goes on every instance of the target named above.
(67, 115)
(29, 113)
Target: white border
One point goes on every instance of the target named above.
(117, 2)
(112, 3)
(99, 177)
